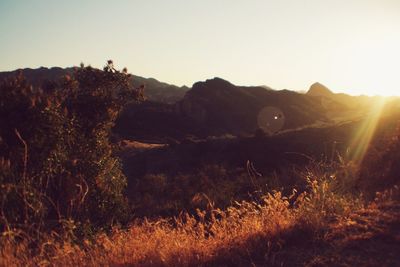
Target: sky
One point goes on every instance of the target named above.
(350, 46)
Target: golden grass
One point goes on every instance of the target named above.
(247, 233)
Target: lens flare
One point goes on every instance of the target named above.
(271, 119)
(362, 138)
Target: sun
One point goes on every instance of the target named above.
(369, 68)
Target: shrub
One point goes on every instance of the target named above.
(56, 162)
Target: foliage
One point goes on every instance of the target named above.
(59, 175)
(56, 162)
(380, 168)
(161, 194)
(167, 195)
(277, 231)
(273, 229)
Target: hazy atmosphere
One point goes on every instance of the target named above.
(349, 46)
(200, 133)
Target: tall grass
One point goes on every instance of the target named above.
(245, 233)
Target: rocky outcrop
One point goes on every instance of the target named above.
(318, 89)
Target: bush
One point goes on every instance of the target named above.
(56, 161)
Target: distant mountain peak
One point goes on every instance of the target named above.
(215, 82)
(217, 79)
(155, 90)
(318, 89)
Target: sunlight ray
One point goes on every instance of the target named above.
(362, 138)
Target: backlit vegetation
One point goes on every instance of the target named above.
(269, 231)
(64, 200)
(57, 169)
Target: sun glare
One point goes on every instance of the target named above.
(368, 68)
(362, 138)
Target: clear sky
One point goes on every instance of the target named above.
(350, 46)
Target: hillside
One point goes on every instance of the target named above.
(234, 109)
(106, 178)
(200, 133)
(216, 107)
(338, 101)
(322, 229)
(154, 89)
(193, 164)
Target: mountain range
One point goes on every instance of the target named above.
(217, 107)
(155, 90)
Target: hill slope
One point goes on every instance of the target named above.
(225, 107)
(216, 107)
(154, 89)
(336, 101)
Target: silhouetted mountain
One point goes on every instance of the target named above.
(159, 91)
(216, 107)
(154, 89)
(227, 108)
(338, 101)
(318, 89)
(213, 107)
